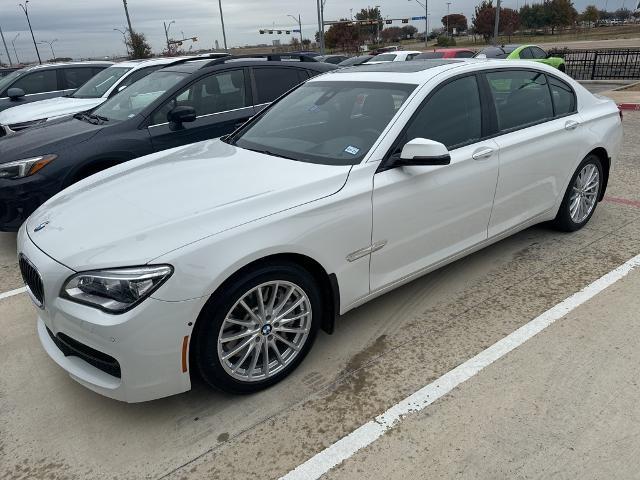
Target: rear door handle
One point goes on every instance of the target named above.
(482, 153)
(571, 125)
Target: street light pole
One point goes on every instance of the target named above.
(25, 9)
(126, 12)
(166, 34)
(320, 4)
(299, 25)
(5, 48)
(224, 34)
(448, 5)
(51, 47)
(496, 23)
(426, 19)
(13, 42)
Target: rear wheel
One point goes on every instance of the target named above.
(258, 329)
(581, 198)
(561, 67)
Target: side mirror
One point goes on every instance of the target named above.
(423, 152)
(179, 115)
(15, 93)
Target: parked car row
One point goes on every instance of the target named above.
(189, 100)
(227, 256)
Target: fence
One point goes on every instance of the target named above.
(605, 64)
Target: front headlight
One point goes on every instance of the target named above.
(117, 290)
(26, 167)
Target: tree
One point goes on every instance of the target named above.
(483, 19)
(457, 21)
(622, 14)
(294, 42)
(409, 31)
(138, 45)
(343, 36)
(391, 34)
(509, 21)
(306, 42)
(559, 13)
(533, 16)
(374, 19)
(590, 14)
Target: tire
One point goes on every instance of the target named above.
(561, 67)
(564, 220)
(214, 329)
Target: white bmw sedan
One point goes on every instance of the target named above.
(226, 257)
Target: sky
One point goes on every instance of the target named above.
(84, 28)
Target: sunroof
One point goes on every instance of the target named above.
(398, 67)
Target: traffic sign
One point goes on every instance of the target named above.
(421, 18)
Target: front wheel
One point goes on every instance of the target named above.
(581, 198)
(258, 329)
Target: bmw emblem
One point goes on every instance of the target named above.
(266, 329)
(41, 226)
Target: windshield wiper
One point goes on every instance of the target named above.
(268, 152)
(91, 118)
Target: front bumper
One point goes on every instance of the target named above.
(19, 198)
(146, 342)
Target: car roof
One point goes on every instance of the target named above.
(193, 65)
(145, 62)
(418, 72)
(66, 64)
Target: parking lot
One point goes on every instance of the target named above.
(558, 405)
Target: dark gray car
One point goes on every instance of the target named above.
(40, 82)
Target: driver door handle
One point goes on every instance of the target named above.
(482, 153)
(571, 125)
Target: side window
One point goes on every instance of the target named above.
(564, 100)
(521, 98)
(464, 54)
(451, 116)
(538, 53)
(411, 56)
(76, 77)
(38, 82)
(526, 53)
(134, 77)
(271, 82)
(215, 93)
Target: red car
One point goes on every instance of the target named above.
(446, 53)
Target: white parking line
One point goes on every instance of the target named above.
(365, 435)
(11, 293)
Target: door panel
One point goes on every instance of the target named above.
(537, 152)
(428, 213)
(222, 102)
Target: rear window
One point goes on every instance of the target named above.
(384, 57)
(493, 52)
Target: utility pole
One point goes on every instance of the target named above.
(224, 34)
(299, 25)
(126, 12)
(25, 9)
(426, 19)
(496, 23)
(5, 48)
(13, 42)
(166, 34)
(448, 5)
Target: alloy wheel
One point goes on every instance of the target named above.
(264, 331)
(584, 193)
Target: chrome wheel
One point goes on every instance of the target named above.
(584, 193)
(264, 331)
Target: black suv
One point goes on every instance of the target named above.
(40, 82)
(190, 100)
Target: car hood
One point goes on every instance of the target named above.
(135, 212)
(46, 138)
(51, 108)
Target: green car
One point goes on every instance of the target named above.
(522, 52)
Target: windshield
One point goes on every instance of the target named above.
(9, 79)
(98, 85)
(333, 123)
(133, 99)
(384, 57)
(430, 55)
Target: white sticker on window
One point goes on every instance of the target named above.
(352, 150)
